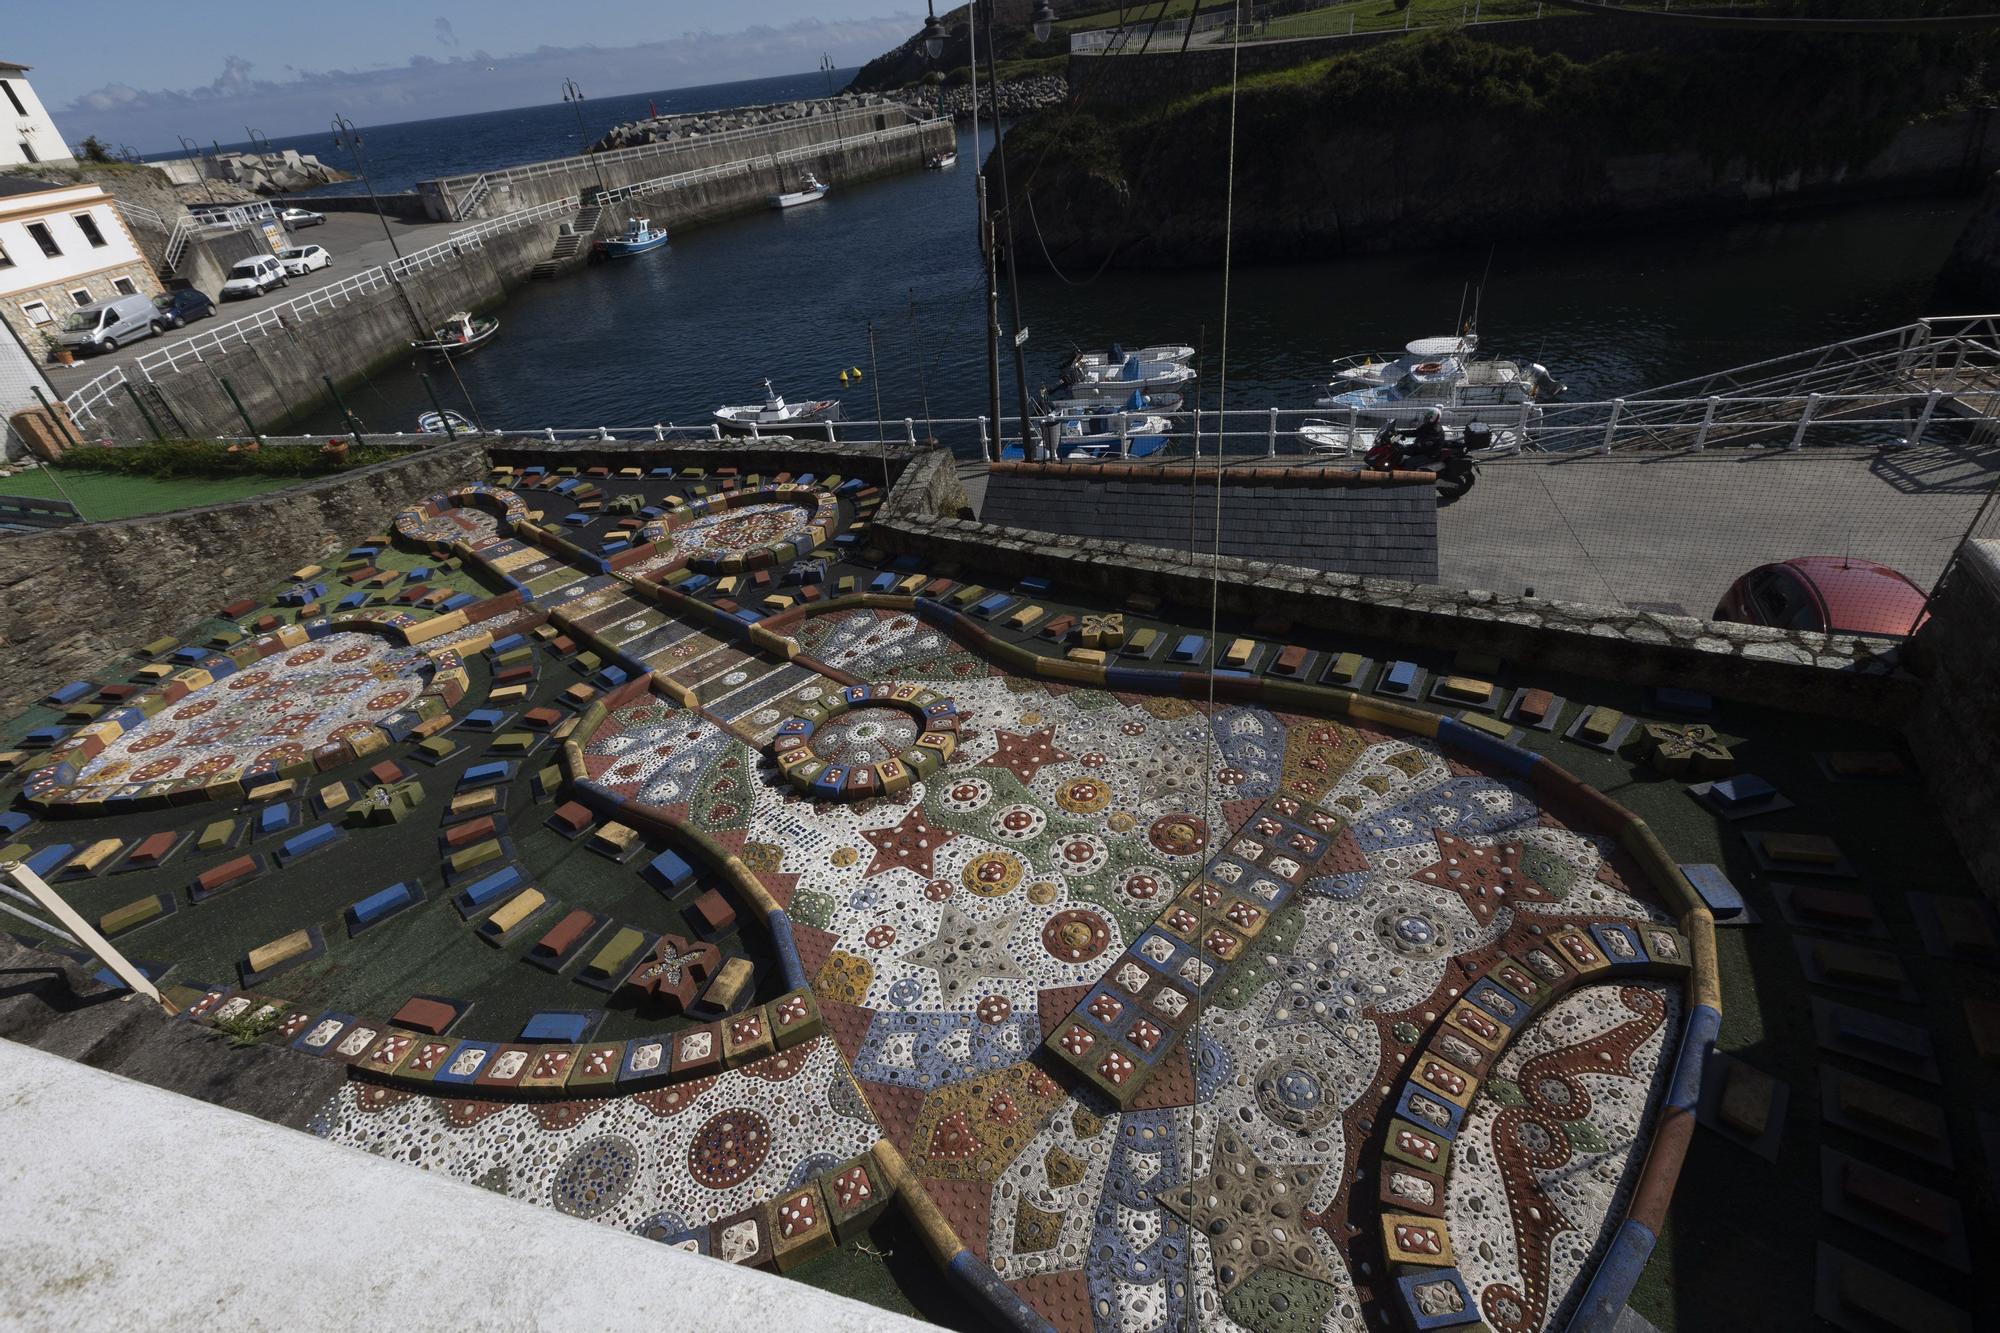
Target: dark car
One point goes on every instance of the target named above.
(181, 307)
(1829, 593)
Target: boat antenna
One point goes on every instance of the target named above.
(1479, 293)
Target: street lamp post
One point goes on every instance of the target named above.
(933, 40)
(574, 96)
(194, 156)
(345, 135)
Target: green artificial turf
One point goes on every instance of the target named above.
(106, 495)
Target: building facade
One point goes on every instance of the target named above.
(30, 134)
(61, 247)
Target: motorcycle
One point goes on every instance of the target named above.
(1450, 461)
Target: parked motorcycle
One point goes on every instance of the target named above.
(1450, 460)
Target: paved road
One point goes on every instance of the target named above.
(357, 243)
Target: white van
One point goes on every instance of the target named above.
(102, 325)
(253, 277)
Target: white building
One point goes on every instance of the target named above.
(27, 134)
(63, 246)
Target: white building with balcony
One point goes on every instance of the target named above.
(27, 133)
(63, 246)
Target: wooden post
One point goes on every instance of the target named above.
(86, 934)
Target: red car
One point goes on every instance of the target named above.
(1829, 593)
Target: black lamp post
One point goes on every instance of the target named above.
(933, 39)
(194, 156)
(574, 96)
(345, 135)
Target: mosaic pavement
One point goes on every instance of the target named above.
(1168, 1009)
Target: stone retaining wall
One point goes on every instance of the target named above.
(72, 598)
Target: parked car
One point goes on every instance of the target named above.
(300, 217)
(185, 306)
(102, 325)
(300, 260)
(253, 277)
(1829, 593)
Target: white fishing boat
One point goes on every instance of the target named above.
(1366, 368)
(1498, 392)
(1163, 401)
(639, 237)
(1097, 435)
(775, 416)
(940, 161)
(459, 335)
(444, 423)
(811, 190)
(1177, 353)
(1101, 382)
(1332, 439)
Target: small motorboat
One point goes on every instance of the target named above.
(940, 161)
(775, 416)
(811, 190)
(459, 335)
(444, 423)
(1116, 381)
(1177, 353)
(639, 237)
(1330, 439)
(1365, 369)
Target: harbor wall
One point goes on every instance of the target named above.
(281, 376)
(73, 598)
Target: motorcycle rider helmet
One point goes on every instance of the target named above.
(1433, 417)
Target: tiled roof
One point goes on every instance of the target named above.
(1343, 522)
(26, 185)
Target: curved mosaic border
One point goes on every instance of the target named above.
(52, 785)
(505, 504)
(801, 766)
(821, 523)
(1625, 1256)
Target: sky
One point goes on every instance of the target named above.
(139, 72)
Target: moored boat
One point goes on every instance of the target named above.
(940, 161)
(775, 416)
(459, 335)
(1177, 353)
(639, 237)
(444, 423)
(811, 190)
(1116, 381)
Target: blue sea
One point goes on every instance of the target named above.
(400, 155)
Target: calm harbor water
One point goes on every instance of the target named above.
(668, 336)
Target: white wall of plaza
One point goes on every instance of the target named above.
(29, 132)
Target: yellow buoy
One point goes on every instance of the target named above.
(856, 372)
(843, 377)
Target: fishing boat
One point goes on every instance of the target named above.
(639, 237)
(775, 416)
(1462, 389)
(444, 423)
(811, 190)
(1177, 353)
(459, 335)
(1333, 439)
(940, 161)
(1097, 436)
(1367, 368)
(1115, 382)
(1162, 401)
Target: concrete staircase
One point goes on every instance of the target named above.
(571, 241)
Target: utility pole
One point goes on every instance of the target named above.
(194, 156)
(346, 135)
(574, 96)
(1007, 208)
(992, 322)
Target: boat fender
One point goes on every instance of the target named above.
(1429, 367)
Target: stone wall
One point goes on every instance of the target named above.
(72, 598)
(1955, 729)
(1831, 674)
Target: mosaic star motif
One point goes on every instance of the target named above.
(910, 844)
(1252, 1213)
(1487, 878)
(966, 950)
(1025, 754)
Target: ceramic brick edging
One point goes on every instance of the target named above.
(1303, 478)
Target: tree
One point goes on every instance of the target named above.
(93, 150)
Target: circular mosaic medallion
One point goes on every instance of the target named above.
(1298, 1092)
(1081, 854)
(1413, 934)
(1141, 885)
(1076, 935)
(865, 736)
(728, 1147)
(594, 1176)
(1178, 835)
(965, 795)
(992, 874)
(1042, 892)
(1019, 823)
(1083, 796)
(995, 1008)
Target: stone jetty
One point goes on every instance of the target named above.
(699, 124)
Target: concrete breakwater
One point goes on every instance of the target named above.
(1017, 97)
(279, 369)
(698, 124)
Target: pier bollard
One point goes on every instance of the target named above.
(659, 431)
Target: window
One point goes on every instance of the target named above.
(6, 260)
(80, 295)
(125, 286)
(40, 231)
(88, 226)
(14, 97)
(28, 152)
(37, 313)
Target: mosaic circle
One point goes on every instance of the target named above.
(594, 1176)
(1084, 796)
(1081, 854)
(992, 874)
(728, 1148)
(1178, 835)
(1076, 935)
(965, 795)
(865, 736)
(1019, 823)
(1299, 1092)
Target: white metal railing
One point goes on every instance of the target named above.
(1139, 36)
(457, 190)
(142, 215)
